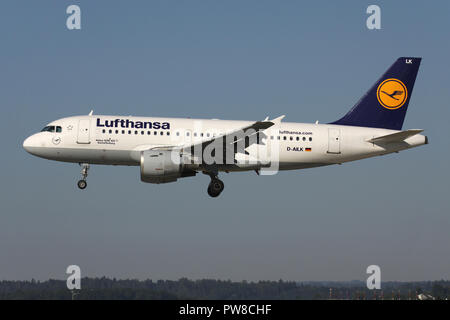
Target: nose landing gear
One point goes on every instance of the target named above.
(82, 184)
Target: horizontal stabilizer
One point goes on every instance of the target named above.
(395, 137)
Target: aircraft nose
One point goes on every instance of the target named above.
(29, 143)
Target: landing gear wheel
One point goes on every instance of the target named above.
(215, 187)
(82, 184)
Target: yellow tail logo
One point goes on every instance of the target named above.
(392, 94)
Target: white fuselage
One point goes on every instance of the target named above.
(113, 140)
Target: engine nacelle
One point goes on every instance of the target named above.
(162, 166)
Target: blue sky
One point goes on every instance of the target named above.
(247, 60)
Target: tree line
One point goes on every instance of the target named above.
(207, 289)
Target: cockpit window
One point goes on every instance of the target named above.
(49, 129)
(52, 129)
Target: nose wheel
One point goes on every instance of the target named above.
(82, 184)
(215, 187)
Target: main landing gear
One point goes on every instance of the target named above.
(216, 186)
(82, 184)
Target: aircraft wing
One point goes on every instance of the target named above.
(244, 136)
(395, 137)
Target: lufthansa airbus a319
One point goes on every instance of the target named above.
(167, 149)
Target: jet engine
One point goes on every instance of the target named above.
(162, 166)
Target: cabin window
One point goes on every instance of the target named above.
(103, 131)
(110, 131)
(310, 138)
(304, 139)
(291, 138)
(284, 137)
(168, 133)
(298, 138)
(129, 131)
(187, 133)
(123, 131)
(142, 132)
(155, 133)
(178, 133)
(135, 132)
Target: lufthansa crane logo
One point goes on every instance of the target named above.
(56, 140)
(392, 94)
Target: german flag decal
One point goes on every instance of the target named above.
(307, 149)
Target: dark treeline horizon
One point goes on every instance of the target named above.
(210, 289)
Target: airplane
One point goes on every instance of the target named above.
(167, 149)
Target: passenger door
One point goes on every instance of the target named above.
(84, 128)
(334, 140)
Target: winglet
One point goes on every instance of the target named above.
(266, 123)
(91, 113)
(278, 120)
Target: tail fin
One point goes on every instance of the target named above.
(385, 104)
